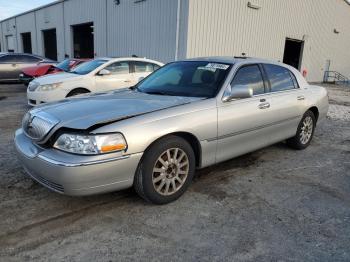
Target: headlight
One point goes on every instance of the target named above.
(49, 87)
(33, 86)
(91, 144)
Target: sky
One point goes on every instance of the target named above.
(13, 7)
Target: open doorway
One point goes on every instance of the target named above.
(293, 52)
(50, 44)
(83, 40)
(27, 42)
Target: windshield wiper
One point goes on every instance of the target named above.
(134, 88)
(157, 93)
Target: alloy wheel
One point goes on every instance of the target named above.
(170, 171)
(306, 130)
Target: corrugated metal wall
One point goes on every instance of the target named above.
(206, 27)
(49, 18)
(146, 29)
(84, 11)
(227, 27)
(9, 29)
(26, 24)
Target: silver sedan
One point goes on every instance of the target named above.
(11, 64)
(188, 114)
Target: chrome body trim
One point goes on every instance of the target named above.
(66, 164)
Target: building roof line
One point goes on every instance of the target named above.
(61, 1)
(33, 10)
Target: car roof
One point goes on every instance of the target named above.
(28, 54)
(231, 59)
(128, 58)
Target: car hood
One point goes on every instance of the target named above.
(37, 70)
(89, 110)
(55, 78)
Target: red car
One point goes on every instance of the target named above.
(29, 73)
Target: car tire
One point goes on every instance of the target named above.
(305, 132)
(165, 171)
(77, 91)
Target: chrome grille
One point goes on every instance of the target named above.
(37, 126)
(33, 86)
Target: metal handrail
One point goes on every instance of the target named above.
(335, 78)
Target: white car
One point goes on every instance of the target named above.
(101, 74)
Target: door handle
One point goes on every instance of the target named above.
(127, 81)
(264, 105)
(301, 97)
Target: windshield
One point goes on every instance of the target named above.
(87, 67)
(64, 65)
(189, 78)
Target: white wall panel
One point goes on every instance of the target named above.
(227, 27)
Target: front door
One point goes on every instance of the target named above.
(242, 122)
(119, 77)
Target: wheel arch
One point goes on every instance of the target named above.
(315, 111)
(190, 138)
(78, 88)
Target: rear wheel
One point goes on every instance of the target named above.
(78, 91)
(305, 132)
(166, 170)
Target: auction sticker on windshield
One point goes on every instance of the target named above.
(217, 66)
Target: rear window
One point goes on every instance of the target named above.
(280, 78)
(143, 67)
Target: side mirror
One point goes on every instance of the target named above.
(104, 72)
(237, 92)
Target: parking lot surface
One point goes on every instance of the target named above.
(276, 204)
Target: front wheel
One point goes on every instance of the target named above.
(305, 132)
(165, 171)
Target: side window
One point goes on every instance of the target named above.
(280, 78)
(7, 59)
(142, 67)
(27, 59)
(118, 68)
(249, 77)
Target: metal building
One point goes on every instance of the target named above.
(313, 36)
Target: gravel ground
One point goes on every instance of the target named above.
(275, 204)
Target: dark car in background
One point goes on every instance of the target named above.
(29, 73)
(11, 64)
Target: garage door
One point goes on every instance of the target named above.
(10, 43)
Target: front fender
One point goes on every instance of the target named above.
(198, 119)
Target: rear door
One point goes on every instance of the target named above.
(243, 124)
(287, 101)
(120, 76)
